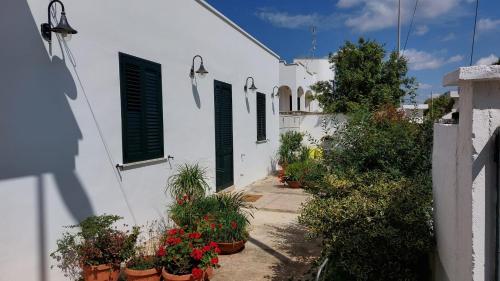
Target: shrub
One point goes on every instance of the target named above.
(372, 208)
(306, 172)
(291, 148)
(96, 242)
(228, 227)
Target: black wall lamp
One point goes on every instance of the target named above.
(275, 94)
(202, 71)
(252, 87)
(62, 27)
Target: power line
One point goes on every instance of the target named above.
(411, 25)
(474, 34)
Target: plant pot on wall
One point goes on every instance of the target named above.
(231, 248)
(102, 272)
(142, 275)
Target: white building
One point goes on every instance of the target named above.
(465, 174)
(414, 112)
(298, 110)
(97, 125)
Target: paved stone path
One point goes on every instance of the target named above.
(276, 249)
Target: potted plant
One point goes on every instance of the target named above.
(188, 183)
(143, 266)
(294, 174)
(184, 256)
(96, 250)
(229, 228)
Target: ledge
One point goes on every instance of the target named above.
(472, 73)
(134, 165)
(262, 141)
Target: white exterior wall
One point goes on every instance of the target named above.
(60, 114)
(314, 125)
(444, 187)
(477, 185)
(321, 68)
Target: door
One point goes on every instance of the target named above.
(223, 135)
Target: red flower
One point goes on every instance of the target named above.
(185, 197)
(161, 251)
(197, 254)
(195, 235)
(181, 231)
(180, 202)
(212, 226)
(174, 240)
(220, 225)
(217, 250)
(213, 244)
(197, 273)
(172, 232)
(206, 218)
(234, 225)
(206, 248)
(214, 261)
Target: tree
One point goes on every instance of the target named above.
(439, 106)
(365, 79)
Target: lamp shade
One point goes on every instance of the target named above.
(202, 70)
(253, 88)
(63, 26)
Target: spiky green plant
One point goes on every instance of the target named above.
(189, 182)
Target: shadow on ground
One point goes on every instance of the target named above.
(301, 254)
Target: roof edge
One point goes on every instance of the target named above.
(236, 27)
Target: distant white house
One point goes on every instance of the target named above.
(97, 124)
(299, 111)
(414, 111)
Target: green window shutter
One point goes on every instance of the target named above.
(261, 117)
(142, 114)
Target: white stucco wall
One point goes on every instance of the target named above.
(477, 186)
(320, 67)
(60, 115)
(314, 125)
(444, 190)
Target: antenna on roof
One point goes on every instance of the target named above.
(312, 52)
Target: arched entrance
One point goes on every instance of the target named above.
(300, 97)
(285, 95)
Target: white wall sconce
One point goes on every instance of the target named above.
(201, 70)
(277, 94)
(252, 87)
(62, 27)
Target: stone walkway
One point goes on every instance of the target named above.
(276, 249)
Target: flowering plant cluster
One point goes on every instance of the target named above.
(184, 252)
(232, 227)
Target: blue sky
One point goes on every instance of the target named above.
(440, 40)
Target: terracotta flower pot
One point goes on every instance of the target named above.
(294, 184)
(102, 272)
(142, 275)
(186, 277)
(231, 248)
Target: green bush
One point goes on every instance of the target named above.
(373, 208)
(306, 172)
(291, 148)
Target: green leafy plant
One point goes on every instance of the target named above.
(291, 148)
(188, 183)
(144, 252)
(372, 207)
(186, 253)
(96, 242)
(230, 226)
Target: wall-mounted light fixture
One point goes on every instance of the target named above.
(277, 94)
(201, 70)
(252, 87)
(62, 27)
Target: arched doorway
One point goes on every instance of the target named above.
(300, 97)
(309, 98)
(285, 95)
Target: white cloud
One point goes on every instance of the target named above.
(449, 37)
(286, 20)
(423, 86)
(489, 60)
(421, 60)
(371, 15)
(488, 24)
(421, 30)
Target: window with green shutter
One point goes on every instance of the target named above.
(142, 114)
(261, 117)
